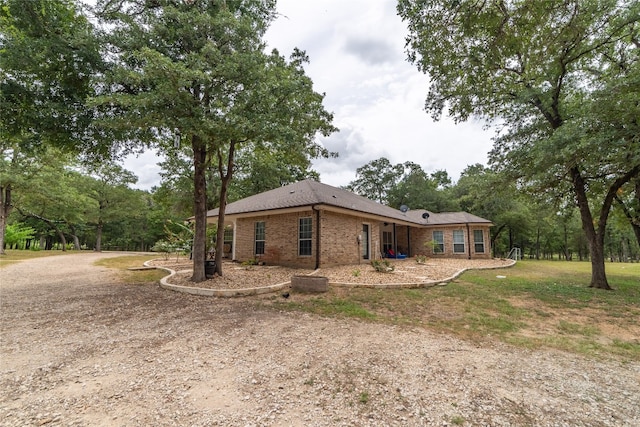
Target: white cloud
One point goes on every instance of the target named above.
(145, 167)
(356, 50)
(357, 58)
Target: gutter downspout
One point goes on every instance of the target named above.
(317, 235)
(395, 239)
(469, 239)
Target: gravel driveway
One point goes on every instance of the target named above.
(78, 348)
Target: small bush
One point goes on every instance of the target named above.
(248, 264)
(421, 259)
(382, 266)
(164, 247)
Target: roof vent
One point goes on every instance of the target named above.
(292, 191)
(334, 196)
(404, 208)
(425, 215)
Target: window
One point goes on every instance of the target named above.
(365, 241)
(478, 241)
(387, 241)
(259, 238)
(227, 247)
(305, 232)
(438, 242)
(458, 241)
(228, 236)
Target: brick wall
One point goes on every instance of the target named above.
(339, 243)
(420, 235)
(340, 239)
(281, 239)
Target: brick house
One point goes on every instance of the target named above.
(309, 224)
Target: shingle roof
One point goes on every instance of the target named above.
(309, 193)
(444, 218)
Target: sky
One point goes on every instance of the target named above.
(357, 58)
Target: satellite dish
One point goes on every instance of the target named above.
(404, 208)
(425, 215)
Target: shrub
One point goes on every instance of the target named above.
(382, 266)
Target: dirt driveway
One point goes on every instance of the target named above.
(78, 348)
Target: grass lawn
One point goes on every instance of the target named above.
(14, 255)
(538, 304)
(122, 263)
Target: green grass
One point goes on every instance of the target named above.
(12, 256)
(538, 304)
(122, 263)
(457, 420)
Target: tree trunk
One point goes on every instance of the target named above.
(566, 242)
(5, 209)
(225, 178)
(595, 238)
(494, 239)
(63, 239)
(3, 229)
(199, 208)
(74, 236)
(99, 237)
(76, 242)
(634, 219)
(510, 240)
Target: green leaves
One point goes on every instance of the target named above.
(17, 233)
(553, 74)
(48, 56)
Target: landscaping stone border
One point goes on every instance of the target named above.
(232, 293)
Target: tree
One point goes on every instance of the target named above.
(416, 189)
(263, 167)
(48, 56)
(108, 187)
(629, 202)
(483, 192)
(539, 68)
(17, 233)
(281, 109)
(52, 193)
(376, 179)
(197, 72)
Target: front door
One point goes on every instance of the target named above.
(365, 241)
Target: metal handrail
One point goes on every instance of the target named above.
(515, 254)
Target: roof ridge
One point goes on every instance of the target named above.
(309, 192)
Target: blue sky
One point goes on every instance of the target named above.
(357, 58)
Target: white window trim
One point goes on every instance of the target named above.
(433, 238)
(310, 239)
(478, 243)
(464, 246)
(256, 240)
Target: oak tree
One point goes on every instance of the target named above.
(195, 73)
(539, 69)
